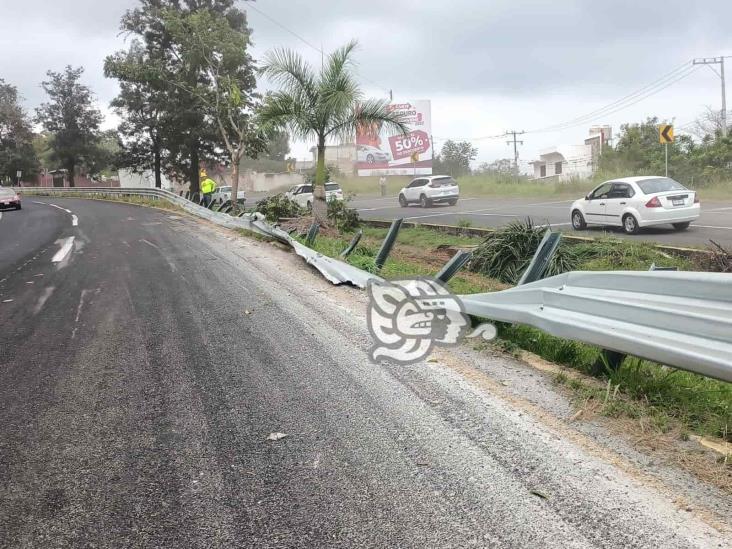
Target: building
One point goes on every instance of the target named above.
(567, 162)
(341, 156)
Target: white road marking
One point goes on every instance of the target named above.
(1, 215)
(42, 299)
(711, 227)
(68, 243)
(717, 210)
(78, 313)
(74, 221)
(149, 243)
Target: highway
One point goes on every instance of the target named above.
(715, 222)
(147, 357)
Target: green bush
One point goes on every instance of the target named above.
(506, 253)
(279, 206)
(345, 219)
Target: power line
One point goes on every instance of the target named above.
(304, 41)
(629, 100)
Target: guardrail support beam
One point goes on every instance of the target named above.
(352, 246)
(453, 266)
(388, 243)
(312, 233)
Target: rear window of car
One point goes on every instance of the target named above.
(332, 187)
(660, 185)
(443, 182)
(7, 192)
(306, 189)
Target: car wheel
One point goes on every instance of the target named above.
(452, 202)
(18, 207)
(681, 226)
(424, 201)
(402, 201)
(370, 159)
(578, 221)
(630, 224)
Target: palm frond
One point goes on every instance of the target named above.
(283, 110)
(291, 72)
(368, 112)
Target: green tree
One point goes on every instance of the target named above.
(142, 106)
(456, 157)
(278, 146)
(207, 40)
(16, 136)
(320, 106)
(190, 138)
(72, 118)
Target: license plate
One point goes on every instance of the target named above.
(677, 202)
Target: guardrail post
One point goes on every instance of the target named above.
(540, 262)
(312, 233)
(227, 208)
(352, 246)
(453, 266)
(388, 243)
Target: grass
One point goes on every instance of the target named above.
(493, 186)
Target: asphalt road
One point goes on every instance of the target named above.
(146, 357)
(715, 222)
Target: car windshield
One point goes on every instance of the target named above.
(332, 187)
(7, 192)
(660, 185)
(443, 182)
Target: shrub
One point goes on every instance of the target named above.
(506, 253)
(344, 218)
(279, 206)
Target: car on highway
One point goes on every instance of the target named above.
(222, 194)
(372, 155)
(303, 194)
(9, 198)
(637, 202)
(429, 190)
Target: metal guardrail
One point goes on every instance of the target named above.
(680, 319)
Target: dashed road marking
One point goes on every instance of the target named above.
(64, 251)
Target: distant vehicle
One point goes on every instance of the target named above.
(429, 190)
(9, 199)
(636, 202)
(303, 193)
(222, 194)
(372, 155)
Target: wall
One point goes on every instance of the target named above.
(260, 182)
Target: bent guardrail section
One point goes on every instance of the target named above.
(680, 319)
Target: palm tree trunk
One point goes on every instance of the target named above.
(320, 208)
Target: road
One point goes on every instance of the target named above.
(715, 222)
(146, 358)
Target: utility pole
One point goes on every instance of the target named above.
(709, 61)
(516, 143)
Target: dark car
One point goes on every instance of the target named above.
(9, 199)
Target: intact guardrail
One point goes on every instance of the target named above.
(680, 319)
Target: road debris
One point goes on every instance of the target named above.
(276, 436)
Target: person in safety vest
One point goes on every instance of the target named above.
(208, 186)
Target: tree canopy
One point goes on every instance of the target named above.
(16, 136)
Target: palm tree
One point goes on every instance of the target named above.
(321, 106)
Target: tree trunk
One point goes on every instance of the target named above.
(320, 207)
(235, 157)
(194, 175)
(71, 168)
(157, 168)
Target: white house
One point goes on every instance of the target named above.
(566, 162)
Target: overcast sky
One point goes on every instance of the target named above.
(488, 66)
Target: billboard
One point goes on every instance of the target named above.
(381, 153)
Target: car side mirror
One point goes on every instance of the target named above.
(588, 197)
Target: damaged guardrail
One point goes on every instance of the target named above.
(335, 271)
(680, 319)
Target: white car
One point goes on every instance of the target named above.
(303, 194)
(222, 194)
(372, 155)
(636, 202)
(429, 190)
